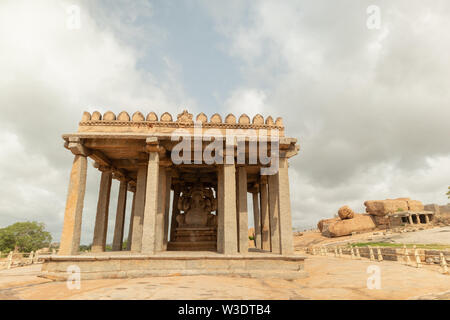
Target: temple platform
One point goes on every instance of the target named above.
(114, 265)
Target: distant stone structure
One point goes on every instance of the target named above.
(441, 213)
(209, 199)
(381, 214)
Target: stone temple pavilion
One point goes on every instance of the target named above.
(190, 182)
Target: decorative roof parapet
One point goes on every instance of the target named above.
(183, 120)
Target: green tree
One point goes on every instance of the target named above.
(84, 247)
(25, 236)
(448, 193)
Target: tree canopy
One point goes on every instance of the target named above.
(25, 236)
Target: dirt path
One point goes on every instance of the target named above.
(330, 278)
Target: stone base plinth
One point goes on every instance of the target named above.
(121, 265)
(194, 239)
(192, 246)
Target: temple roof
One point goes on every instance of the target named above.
(165, 123)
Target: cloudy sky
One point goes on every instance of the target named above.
(370, 106)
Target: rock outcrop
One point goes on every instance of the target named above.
(384, 207)
(360, 222)
(324, 222)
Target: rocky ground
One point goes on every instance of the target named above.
(418, 235)
(329, 278)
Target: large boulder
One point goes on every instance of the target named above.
(360, 222)
(324, 222)
(345, 213)
(383, 207)
(415, 205)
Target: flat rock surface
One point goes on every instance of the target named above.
(330, 278)
(428, 236)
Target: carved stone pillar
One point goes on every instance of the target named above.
(101, 219)
(130, 227)
(227, 211)
(242, 210)
(71, 233)
(410, 220)
(265, 227)
(161, 209)
(286, 236)
(167, 208)
(219, 212)
(257, 219)
(274, 213)
(138, 219)
(175, 211)
(120, 215)
(151, 204)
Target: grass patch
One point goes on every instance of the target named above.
(430, 246)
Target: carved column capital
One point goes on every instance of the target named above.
(132, 186)
(102, 168)
(75, 145)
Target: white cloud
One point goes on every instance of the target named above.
(249, 101)
(370, 107)
(50, 75)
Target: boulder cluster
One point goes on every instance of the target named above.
(348, 221)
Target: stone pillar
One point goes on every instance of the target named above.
(286, 236)
(120, 215)
(151, 204)
(418, 219)
(274, 213)
(175, 211)
(227, 210)
(410, 219)
(101, 219)
(219, 212)
(138, 219)
(130, 227)
(242, 210)
(167, 208)
(427, 219)
(257, 219)
(161, 209)
(265, 228)
(71, 233)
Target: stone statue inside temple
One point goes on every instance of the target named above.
(197, 203)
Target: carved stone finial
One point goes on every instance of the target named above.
(96, 116)
(86, 116)
(109, 116)
(185, 116)
(201, 117)
(269, 121)
(152, 117)
(123, 116)
(244, 119)
(279, 122)
(230, 118)
(138, 116)
(216, 118)
(258, 119)
(166, 117)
